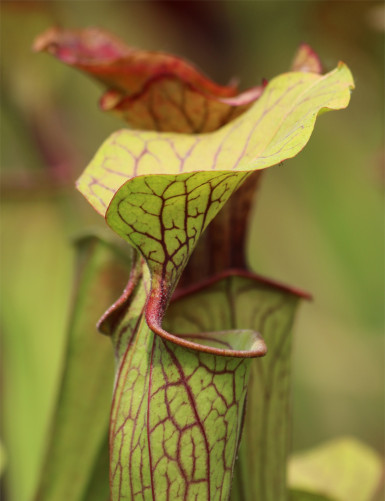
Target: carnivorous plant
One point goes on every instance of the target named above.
(201, 399)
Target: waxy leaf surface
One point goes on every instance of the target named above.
(150, 90)
(80, 422)
(159, 191)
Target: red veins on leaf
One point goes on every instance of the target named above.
(148, 89)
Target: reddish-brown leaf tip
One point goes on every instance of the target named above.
(306, 60)
(78, 47)
(148, 89)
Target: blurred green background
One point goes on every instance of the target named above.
(318, 222)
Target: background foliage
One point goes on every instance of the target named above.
(317, 225)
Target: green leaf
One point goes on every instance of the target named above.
(157, 230)
(159, 411)
(3, 459)
(275, 128)
(35, 286)
(344, 469)
(298, 495)
(163, 215)
(177, 413)
(80, 422)
(167, 434)
(98, 488)
(260, 472)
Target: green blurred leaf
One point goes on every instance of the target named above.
(3, 458)
(80, 422)
(298, 495)
(344, 469)
(35, 285)
(98, 485)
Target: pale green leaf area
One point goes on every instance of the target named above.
(344, 469)
(276, 127)
(80, 422)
